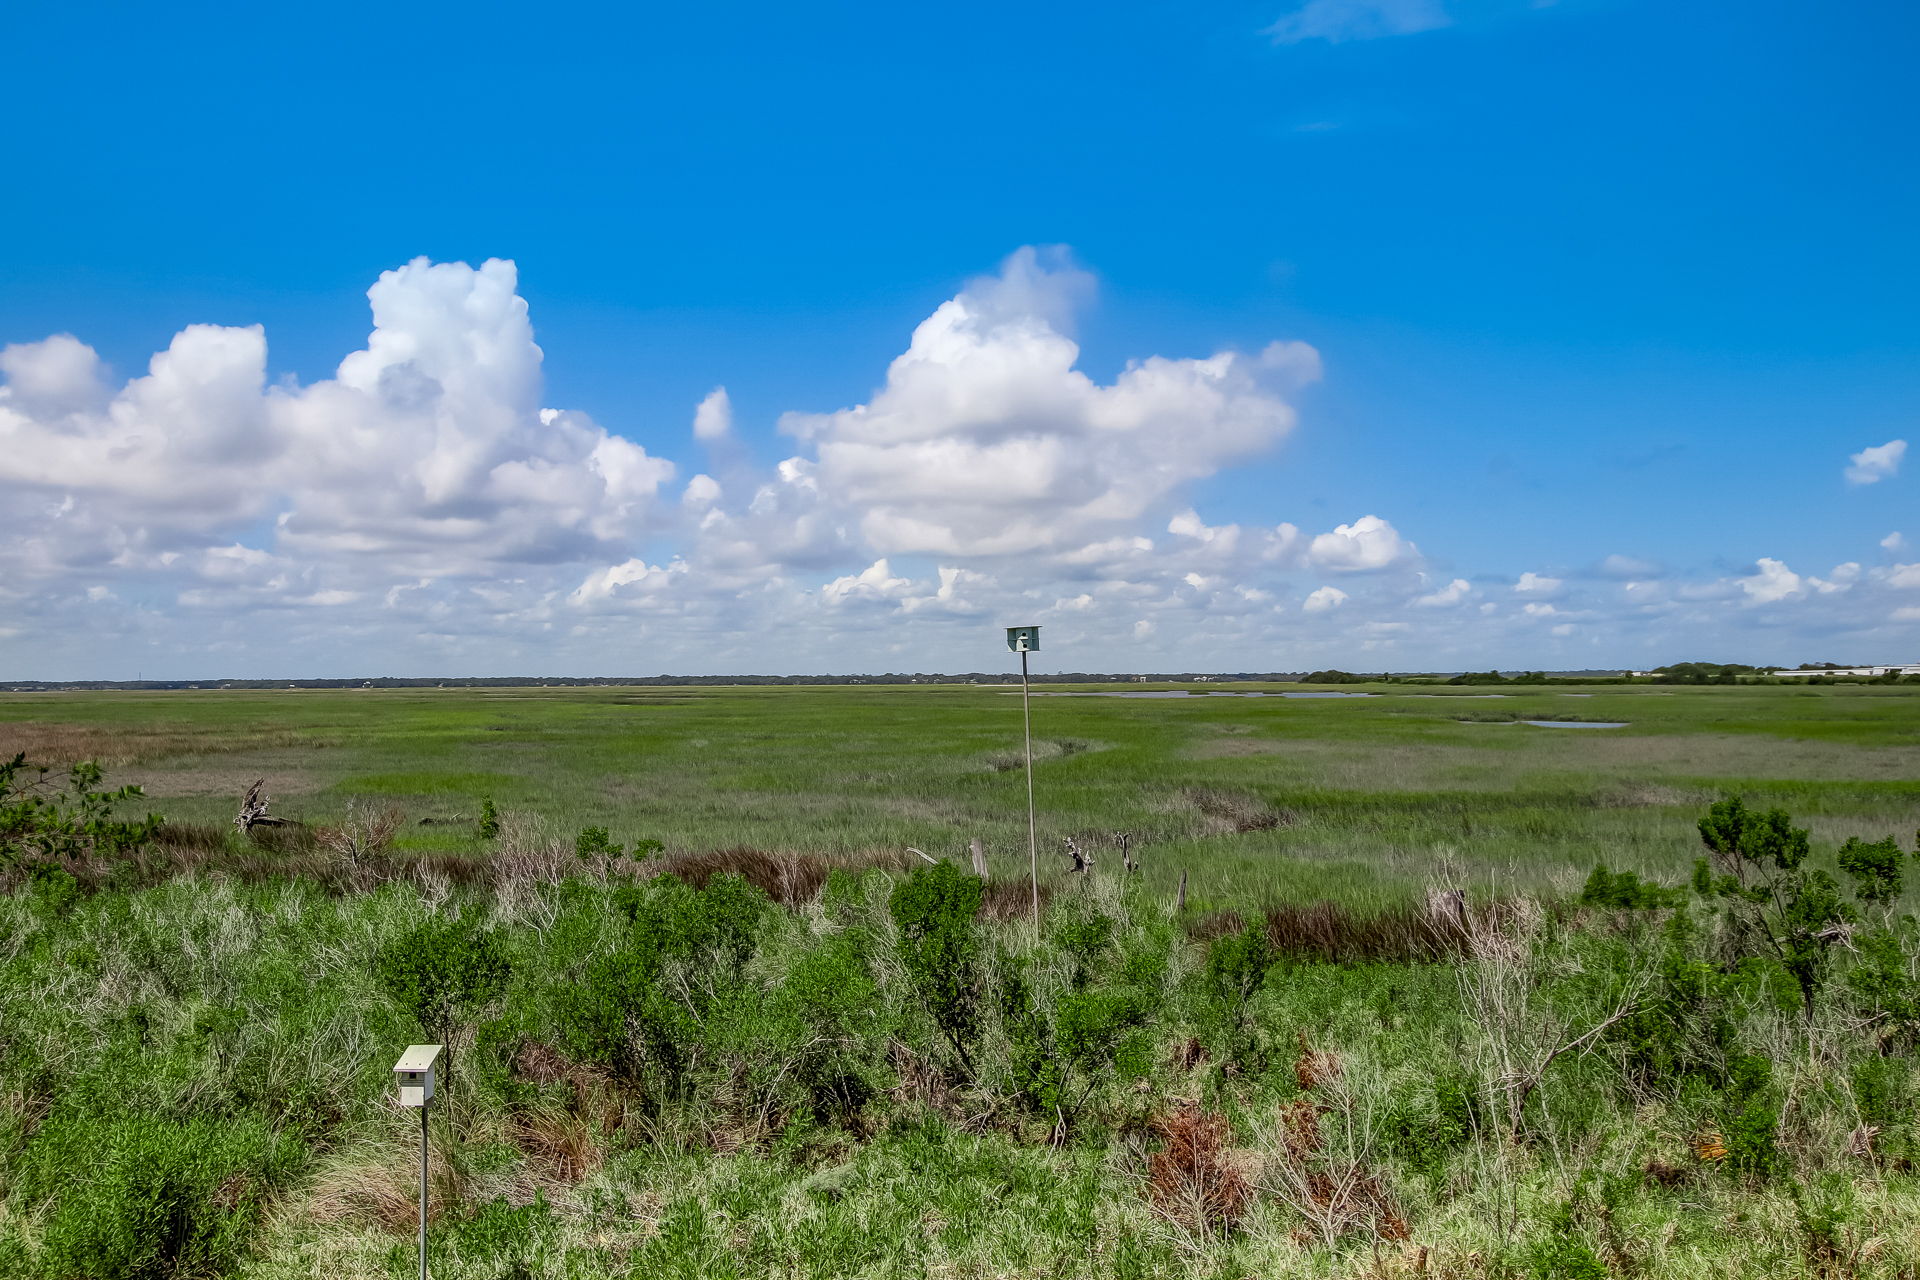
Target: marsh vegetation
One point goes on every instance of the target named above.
(706, 1018)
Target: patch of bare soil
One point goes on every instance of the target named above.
(222, 779)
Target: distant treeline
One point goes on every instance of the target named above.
(588, 682)
(1677, 673)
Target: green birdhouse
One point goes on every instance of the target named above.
(1023, 639)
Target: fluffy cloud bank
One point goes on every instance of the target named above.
(426, 455)
(986, 440)
(424, 511)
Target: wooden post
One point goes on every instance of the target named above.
(1181, 903)
(979, 852)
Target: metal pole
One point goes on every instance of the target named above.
(1033, 839)
(423, 1190)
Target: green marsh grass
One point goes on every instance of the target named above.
(1372, 798)
(224, 1041)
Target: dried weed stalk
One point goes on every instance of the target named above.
(1322, 1171)
(1190, 1181)
(365, 832)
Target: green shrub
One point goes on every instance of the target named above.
(834, 998)
(1235, 970)
(489, 820)
(1883, 1091)
(442, 972)
(1752, 1128)
(1625, 891)
(934, 908)
(1423, 1131)
(594, 842)
(652, 1004)
(1886, 986)
(146, 1198)
(1564, 1256)
(41, 821)
(512, 1243)
(1776, 907)
(1875, 868)
(613, 1013)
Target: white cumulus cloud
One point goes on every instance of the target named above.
(1446, 597)
(1870, 466)
(427, 454)
(1324, 599)
(874, 583)
(1367, 544)
(986, 439)
(713, 418)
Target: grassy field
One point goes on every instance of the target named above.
(1349, 798)
(849, 1064)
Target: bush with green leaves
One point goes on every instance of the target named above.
(933, 910)
(1884, 982)
(1876, 867)
(1235, 970)
(44, 819)
(1776, 905)
(1079, 1011)
(830, 993)
(1626, 891)
(443, 972)
(654, 999)
(149, 1198)
(1427, 1125)
(508, 1242)
(1753, 1117)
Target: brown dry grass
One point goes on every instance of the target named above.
(1011, 899)
(560, 1145)
(1329, 933)
(1334, 1197)
(791, 879)
(57, 743)
(1190, 1180)
(1315, 1067)
(379, 1186)
(1229, 812)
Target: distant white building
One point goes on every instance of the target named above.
(1910, 669)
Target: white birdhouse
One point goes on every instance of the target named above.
(414, 1073)
(1023, 639)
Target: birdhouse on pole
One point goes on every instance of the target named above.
(1023, 639)
(414, 1074)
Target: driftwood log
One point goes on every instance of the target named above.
(1082, 862)
(253, 810)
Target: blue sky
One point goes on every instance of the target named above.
(1587, 279)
